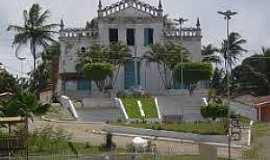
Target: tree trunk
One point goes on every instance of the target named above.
(116, 76)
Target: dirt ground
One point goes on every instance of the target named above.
(85, 132)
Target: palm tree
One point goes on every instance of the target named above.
(34, 32)
(166, 56)
(235, 50)
(118, 56)
(210, 54)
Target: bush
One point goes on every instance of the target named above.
(214, 111)
(110, 145)
(98, 72)
(23, 103)
(193, 72)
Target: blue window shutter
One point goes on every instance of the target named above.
(146, 36)
(139, 73)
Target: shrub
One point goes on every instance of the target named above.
(24, 103)
(214, 111)
(109, 142)
(193, 72)
(98, 72)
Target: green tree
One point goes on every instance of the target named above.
(23, 103)
(99, 73)
(35, 31)
(253, 75)
(115, 55)
(210, 55)
(236, 48)
(47, 71)
(7, 82)
(118, 56)
(216, 79)
(193, 72)
(166, 56)
(246, 80)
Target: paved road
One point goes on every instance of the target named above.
(166, 134)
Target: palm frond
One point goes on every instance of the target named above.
(16, 28)
(43, 17)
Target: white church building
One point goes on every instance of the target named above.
(135, 23)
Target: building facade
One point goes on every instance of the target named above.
(135, 23)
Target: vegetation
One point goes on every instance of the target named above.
(34, 31)
(47, 71)
(259, 148)
(166, 56)
(232, 54)
(193, 72)
(99, 73)
(214, 111)
(100, 60)
(48, 140)
(252, 76)
(7, 82)
(133, 111)
(211, 55)
(203, 128)
(23, 103)
(178, 157)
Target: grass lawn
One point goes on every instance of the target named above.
(203, 128)
(260, 142)
(183, 157)
(133, 111)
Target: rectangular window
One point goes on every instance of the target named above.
(113, 35)
(148, 36)
(131, 37)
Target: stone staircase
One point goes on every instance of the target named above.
(182, 104)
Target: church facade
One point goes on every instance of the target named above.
(135, 23)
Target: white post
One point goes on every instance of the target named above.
(141, 109)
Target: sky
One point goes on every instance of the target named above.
(252, 22)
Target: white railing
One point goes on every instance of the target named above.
(73, 33)
(186, 32)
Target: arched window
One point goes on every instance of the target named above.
(83, 50)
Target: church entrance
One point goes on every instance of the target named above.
(130, 75)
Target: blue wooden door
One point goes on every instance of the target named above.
(130, 75)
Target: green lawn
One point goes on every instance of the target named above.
(133, 111)
(203, 128)
(260, 142)
(182, 157)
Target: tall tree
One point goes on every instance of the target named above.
(7, 82)
(47, 71)
(99, 58)
(167, 56)
(34, 32)
(210, 55)
(118, 55)
(236, 48)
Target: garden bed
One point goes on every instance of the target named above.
(203, 128)
(133, 111)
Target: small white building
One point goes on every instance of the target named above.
(131, 21)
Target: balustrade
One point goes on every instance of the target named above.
(73, 33)
(119, 6)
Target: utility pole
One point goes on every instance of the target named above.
(227, 16)
(181, 21)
